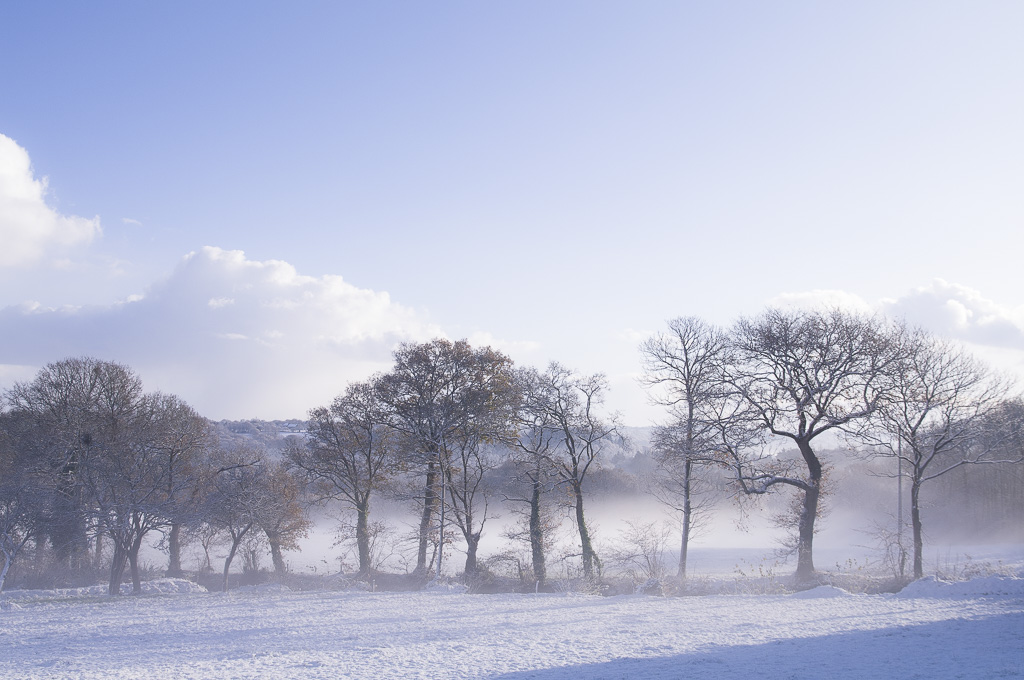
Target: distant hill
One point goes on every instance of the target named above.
(271, 435)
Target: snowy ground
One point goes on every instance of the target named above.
(973, 629)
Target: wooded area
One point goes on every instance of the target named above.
(92, 466)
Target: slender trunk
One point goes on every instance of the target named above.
(428, 512)
(441, 521)
(174, 550)
(472, 543)
(133, 562)
(98, 548)
(207, 560)
(6, 568)
(39, 554)
(687, 518)
(808, 513)
(117, 567)
(915, 521)
(537, 536)
(10, 548)
(68, 532)
(363, 536)
(280, 569)
(589, 556)
(235, 542)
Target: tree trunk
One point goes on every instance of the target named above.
(808, 513)
(537, 536)
(235, 542)
(589, 556)
(428, 512)
(687, 519)
(68, 531)
(39, 554)
(117, 567)
(10, 550)
(915, 522)
(174, 550)
(472, 543)
(6, 568)
(363, 537)
(280, 569)
(133, 561)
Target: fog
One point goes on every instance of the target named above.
(731, 537)
(964, 515)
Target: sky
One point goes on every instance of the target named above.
(252, 204)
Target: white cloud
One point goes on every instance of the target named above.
(286, 342)
(960, 312)
(994, 332)
(947, 309)
(29, 228)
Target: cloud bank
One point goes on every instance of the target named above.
(947, 309)
(960, 312)
(29, 228)
(237, 338)
(992, 331)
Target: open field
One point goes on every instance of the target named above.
(934, 629)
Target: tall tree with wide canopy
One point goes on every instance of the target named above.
(801, 374)
(62, 413)
(436, 391)
(22, 494)
(113, 453)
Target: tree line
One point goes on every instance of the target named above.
(88, 459)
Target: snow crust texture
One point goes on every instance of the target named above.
(930, 630)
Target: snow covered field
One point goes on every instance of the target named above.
(972, 629)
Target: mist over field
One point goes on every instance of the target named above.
(734, 537)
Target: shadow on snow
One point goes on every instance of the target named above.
(931, 650)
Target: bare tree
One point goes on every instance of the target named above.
(106, 443)
(684, 369)
(990, 495)
(685, 482)
(21, 495)
(284, 520)
(468, 461)
(350, 455)
(802, 374)
(181, 438)
(238, 496)
(569, 405)
(143, 476)
(941, 399)
(470, 454)
(532, 458)
(641, 550)
(435, 391)
(61, 407)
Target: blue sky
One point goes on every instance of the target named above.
(557, 179)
